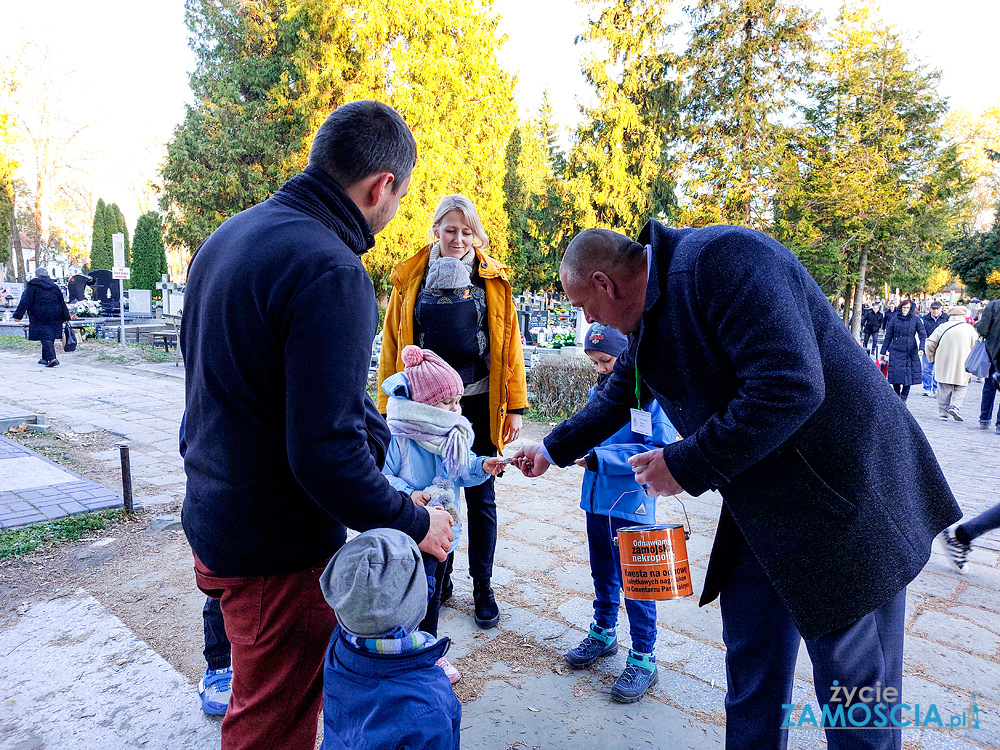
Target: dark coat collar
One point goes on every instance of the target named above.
(662, 240)
(317, 194)
(656, 235)
(45, 282)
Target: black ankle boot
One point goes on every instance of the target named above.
(487, 612)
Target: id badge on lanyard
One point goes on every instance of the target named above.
(642, 421)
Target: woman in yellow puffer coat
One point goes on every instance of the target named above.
(496, 389)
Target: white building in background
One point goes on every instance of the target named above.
(58, 271)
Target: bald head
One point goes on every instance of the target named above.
(604, 274)
(602, 250)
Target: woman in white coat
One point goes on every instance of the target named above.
(948, 348)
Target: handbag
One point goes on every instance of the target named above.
(978, 361)
(70, 343)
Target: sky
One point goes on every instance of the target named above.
(125, 67)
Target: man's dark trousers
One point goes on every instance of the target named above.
(762, 643)
(218, 651)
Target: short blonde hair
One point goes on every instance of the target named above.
(462, 204)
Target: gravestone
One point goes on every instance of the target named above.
(10, 294)
(140, 303)
(166, 287)
(176, 303)
(533, 314)
(78, 284)
(107, 292)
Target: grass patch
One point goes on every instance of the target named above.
(537, 415)
(17, 343)
(112, 351)
(58, 453)
(25, 540)
(154, 354)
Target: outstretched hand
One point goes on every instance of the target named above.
(530, 461)
(493, 466)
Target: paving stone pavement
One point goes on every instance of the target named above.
(33, 488)
(952, 646)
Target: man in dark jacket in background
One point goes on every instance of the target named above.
(284, 447)
(989, 328)
(47, 311)
(890, 313)
(823, 524)
(931, 321)
(871, 324)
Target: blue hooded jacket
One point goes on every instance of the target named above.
(612, 490)
(382, 701)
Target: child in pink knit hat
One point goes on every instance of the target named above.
(430, 456)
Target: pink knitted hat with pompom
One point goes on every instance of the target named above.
(431, 379)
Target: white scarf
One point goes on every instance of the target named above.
(444, 433)
(469, 259)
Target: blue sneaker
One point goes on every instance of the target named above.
(599, 642)
(215, 689)
(640, 674)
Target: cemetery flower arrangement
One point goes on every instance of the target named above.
(86, 309)
(563, 339)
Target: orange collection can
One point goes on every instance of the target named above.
(654, 562)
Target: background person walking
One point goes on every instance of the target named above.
(932, 320)
(901, 334)
(957, 541)
(871, 325)
(989, 328)
(42, 300)
(947, 349)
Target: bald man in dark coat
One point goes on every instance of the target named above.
(825, 518)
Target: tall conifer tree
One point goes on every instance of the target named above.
(235, 145)
(270, 72)
(120, 227)
(100, 242)
(745, 62)
(877, 192)
(624, 147)
(149, 257)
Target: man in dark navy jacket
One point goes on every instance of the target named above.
(823, 521)
(871, 324)
(932, 320)
(284, 447)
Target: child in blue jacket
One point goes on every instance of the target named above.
(612, 499)
(382, 688)
(430, 456)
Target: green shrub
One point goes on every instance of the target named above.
(560, 386)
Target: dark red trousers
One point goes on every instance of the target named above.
(280, 627)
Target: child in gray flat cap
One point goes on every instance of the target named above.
(382, 687)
